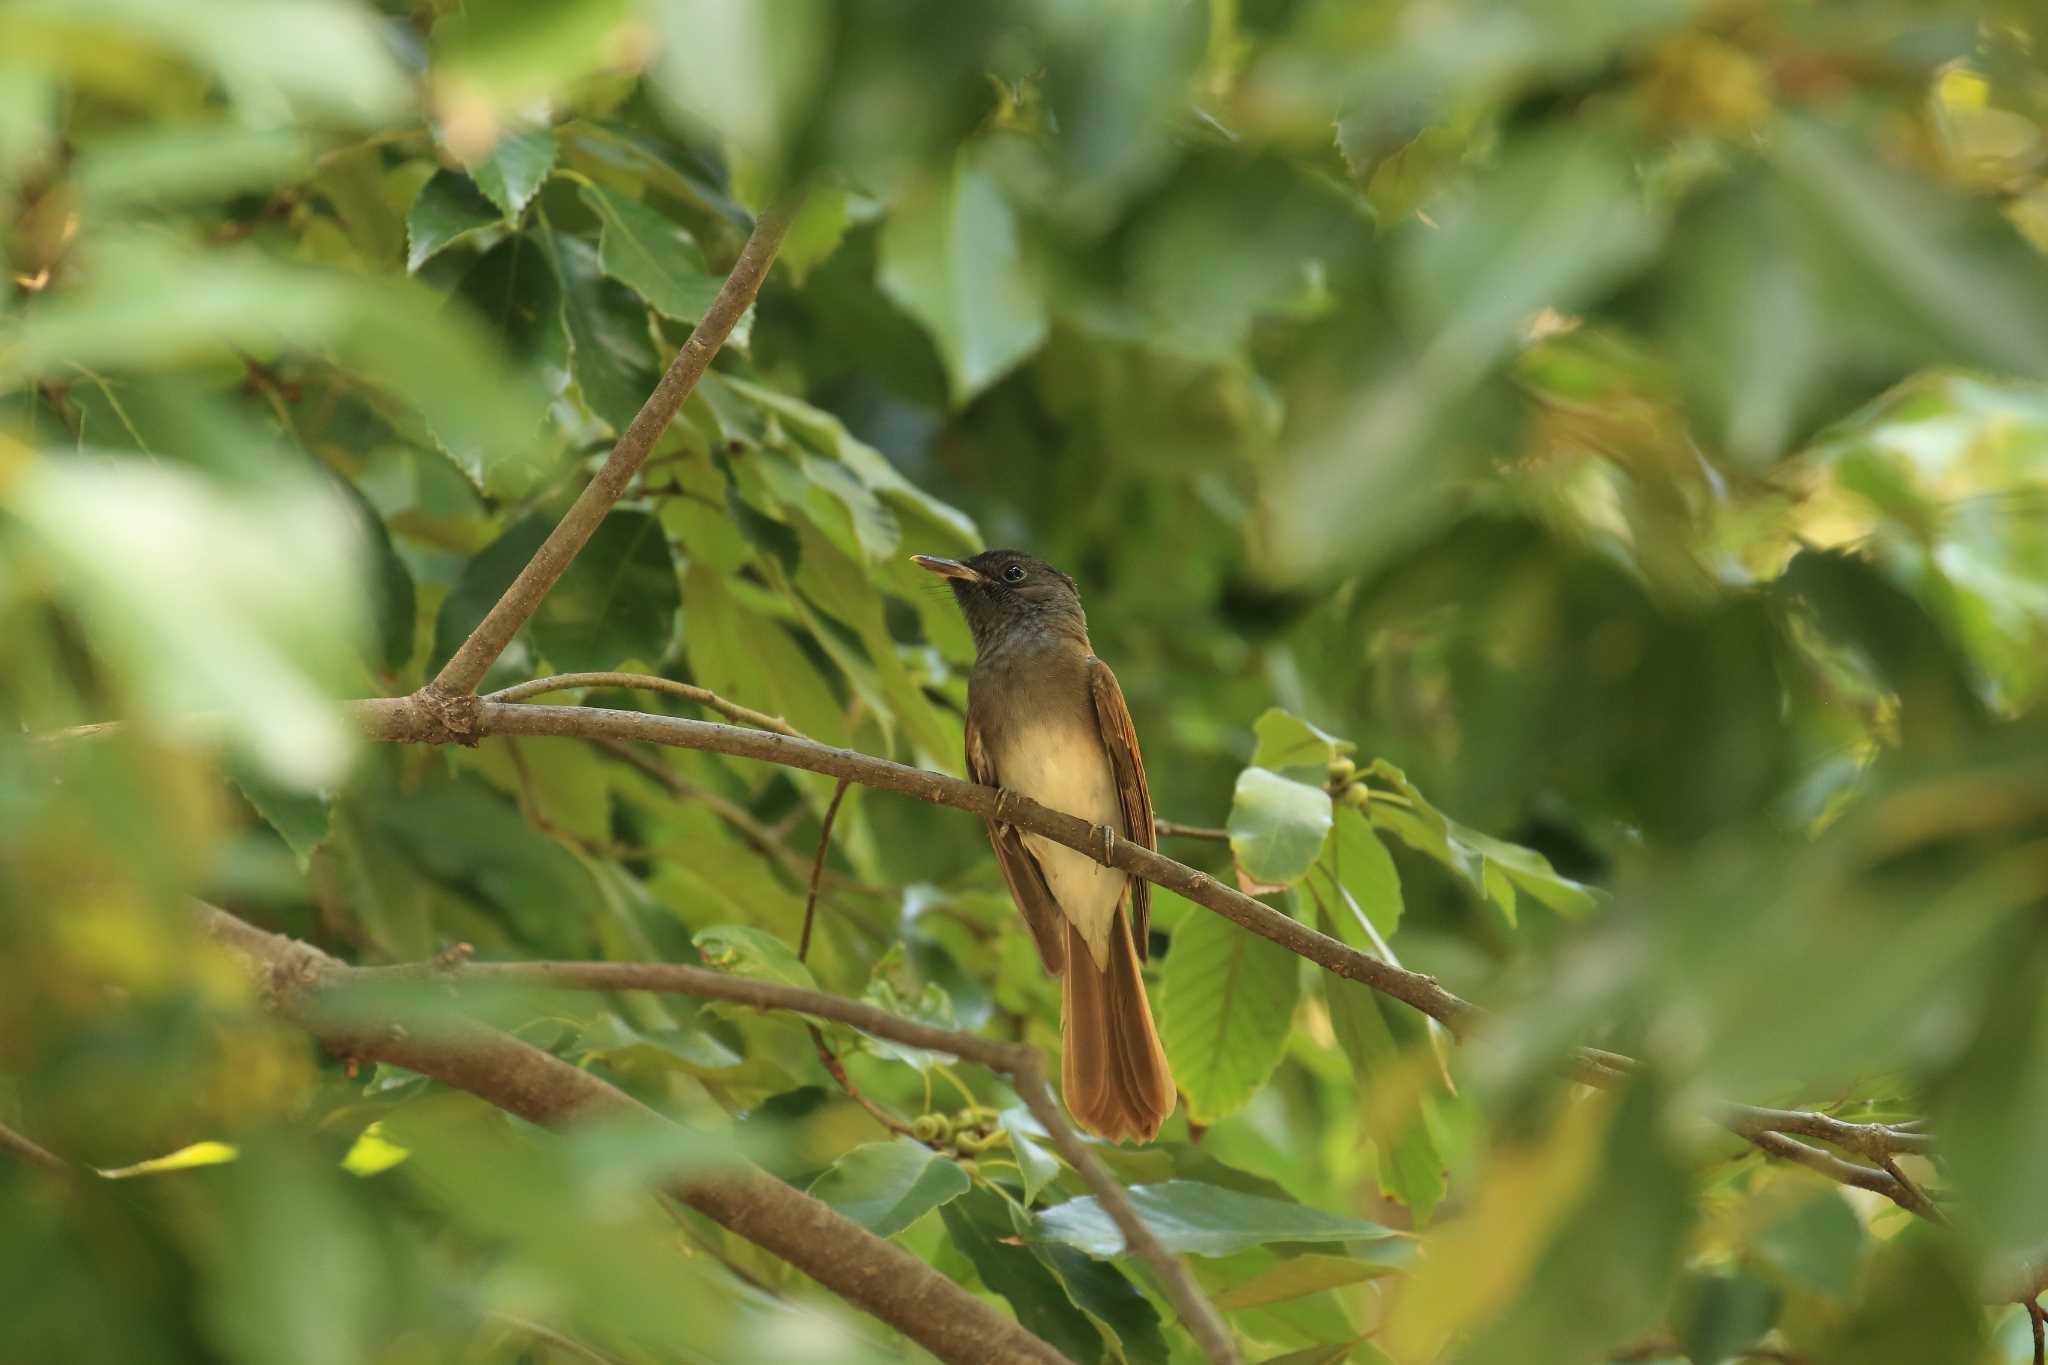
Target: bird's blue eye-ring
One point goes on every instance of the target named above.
(1014, 574)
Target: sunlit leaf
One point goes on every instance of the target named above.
(1225, 1009)
(1277, 826)
(1209, 1220)
(887, 1186)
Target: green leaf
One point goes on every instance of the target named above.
(950, 258)
(303, 819)
(1489, 866)
(1365, 873)
(449, 209)
(1277, 826)
(1036, 1167)
(1105, 1294)
(750, 659)
(1295, 1276)
(657, 259)
(887, 1186)
(1720, 1316)
(1189, 1216)
(754, 953)
(610, 352)
(815, 233)
(513, 172)
(1817, 1243)
(1225, 1011)
(2000, 1091)
(617, 601)
(193, 595)
(1292, 747)
(980, 1225)
(1960, 271)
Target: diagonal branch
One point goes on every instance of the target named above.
(404, 719)
(460, 675)
(301, 983)
(1019, 1062)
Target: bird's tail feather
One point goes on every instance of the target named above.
(1112, 1068)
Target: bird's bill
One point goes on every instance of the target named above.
(947, 568)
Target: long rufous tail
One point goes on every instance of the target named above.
(1112, 1069)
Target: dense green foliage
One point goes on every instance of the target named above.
(1565, 484)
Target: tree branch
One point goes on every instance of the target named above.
(31, 1151)
(300, 983)
(460, 675)
(406, 720)
(1019, 1062)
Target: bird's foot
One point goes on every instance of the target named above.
(1105, 839)
(1005, 798)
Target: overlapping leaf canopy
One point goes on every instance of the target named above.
(1564, 487)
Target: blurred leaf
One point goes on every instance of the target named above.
(1277, 827)
(752, 953)
(1188, 1216)
(1962, 272)
(1818, 1243)
(1999, 1100)
(184, 1159)
(1225, 1012)
(515, 168)
(1295, 1276)
(324, 55)
(950, 258)
(277, 1291)
(1721, 1315)
(189, 163)
(887, 1186)
(510, 54)
(199, 598)
(449, 210)
(1920, 1307)
(1411, 1168)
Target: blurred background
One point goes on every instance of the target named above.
(1565, 484)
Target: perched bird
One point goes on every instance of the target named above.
(1046, 720)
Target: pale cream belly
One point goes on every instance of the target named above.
(1040, 763)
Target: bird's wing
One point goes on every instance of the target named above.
(1020, 869)
(1120, 738)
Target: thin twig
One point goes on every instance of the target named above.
(646, 682)
(803, 945)
(827, 1058)
(31, 1151)
(2039, 1317)
(1173, 829)
(460, 675)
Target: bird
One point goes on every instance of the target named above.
(1046, 720)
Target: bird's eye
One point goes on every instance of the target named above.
(1014, 574)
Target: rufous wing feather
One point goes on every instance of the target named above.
(1020, 869)
(1120, 739)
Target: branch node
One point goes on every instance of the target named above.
(449, 717)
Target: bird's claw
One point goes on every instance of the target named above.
(1004, 798)
(1105, 836)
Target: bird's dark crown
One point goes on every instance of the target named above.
(1011, 598)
